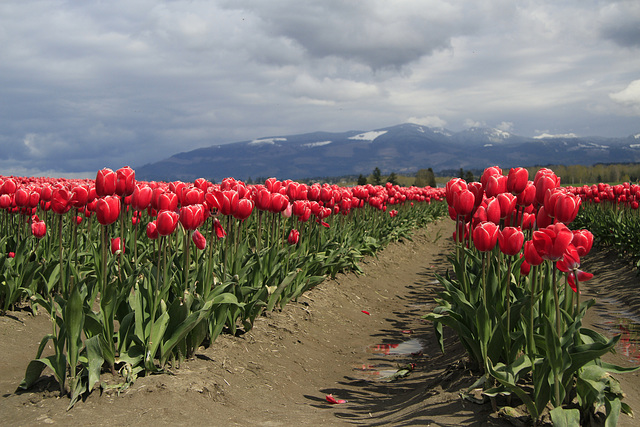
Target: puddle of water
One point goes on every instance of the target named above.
(625, 324)
(410, 347)
(378, 372)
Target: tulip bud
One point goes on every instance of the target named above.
(117, 247)
(294, 237)
(199, 240)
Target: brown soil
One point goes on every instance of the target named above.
(279, 373)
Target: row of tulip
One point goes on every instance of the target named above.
(515, 298)
(139, 274)
(611, 213)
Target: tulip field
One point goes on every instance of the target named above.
(514, 299)
(137, 275)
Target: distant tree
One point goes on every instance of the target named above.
(469, 176)
(249, 181)
(376, 177)
(393, 178)
(431, 178)
(461, 173)
(425, 177)
(362, 180)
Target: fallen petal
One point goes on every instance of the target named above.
(366, 312)
(333, 400)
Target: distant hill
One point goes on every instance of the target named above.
(402, 149)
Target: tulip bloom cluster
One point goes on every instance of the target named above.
(513, 247)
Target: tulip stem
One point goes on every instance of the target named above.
(61, 278)
(508, 303)
(187, 255)
(532, 342)
(556, 376)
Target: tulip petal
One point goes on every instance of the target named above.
(333, 400)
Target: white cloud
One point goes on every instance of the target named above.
(429, 121)
(469, 123)
(560, 135)
(505, 126)
(629, 96)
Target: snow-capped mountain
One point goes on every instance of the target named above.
(402, 148)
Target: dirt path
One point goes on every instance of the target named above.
(279, 373)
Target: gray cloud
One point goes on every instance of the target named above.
(620, 22)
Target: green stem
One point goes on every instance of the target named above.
(556, 376)
(61, 279)
(508, 304)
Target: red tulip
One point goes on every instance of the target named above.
(220, 233)
(570, 263)
(517, 180)
(494, 212)
(191, 196)
(9, 186)
(485, 236)
(79, 196)
(263, 199)
(463, 202)
(567, 207)
(116, 247)
(167, 201)
(551, 242)
(527, 196)
(125, 181)
(477, 190)
(60, 200)
(192, 216)
(531, 255)
(542, 219)
(489, 172)
(244, 209)
(166, 222)
(507, 203)
(279, 203)
(199, 240)
(510, 240)
(108, 210)
(583, 241)
(294, 237)
(21, 197)
(544, 183)
(453, 186)
(141, 197)
(38, 227)
(226, 202)
(106, 182)
(495, 184)
(525, 268)
(152, 231)
(5, 201)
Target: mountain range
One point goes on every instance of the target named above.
(403, 149)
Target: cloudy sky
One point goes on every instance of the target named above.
(89, 84)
